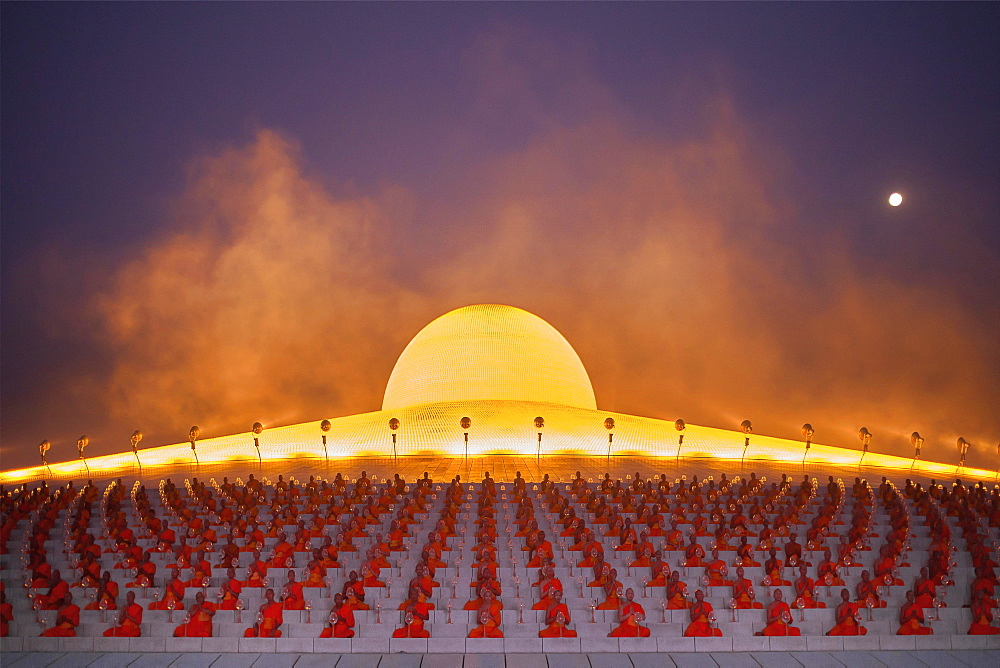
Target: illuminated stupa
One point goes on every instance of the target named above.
(489, 379)
(492, 352)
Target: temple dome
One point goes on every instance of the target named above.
(489, 351)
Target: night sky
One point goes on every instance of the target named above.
(216, 213)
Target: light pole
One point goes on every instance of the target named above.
(539, 425)
(43, 450)
(466, 423)
(193, 435)
(325, 427)
(917, 442)
(866, 440)
(963, 450)
(609, 424)
(747, 428)
(136, 437)
(680, 426)
(81, 445)
(257, 428)
(807, 433)
(393, 426)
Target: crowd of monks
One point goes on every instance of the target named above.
(742, 520)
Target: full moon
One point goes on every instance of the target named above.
(895, 199)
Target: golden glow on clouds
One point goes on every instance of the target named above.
(489, 351)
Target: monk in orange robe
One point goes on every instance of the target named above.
(256, 572)
(415, 613)
(67, 620)
(6, 614)
(283, 554)
(982, 616)
(694, 554)
(556, 619)
(743, 592)
(341, 622)
(231, 590)
(546, 587)
(173, 596)
(630, 618)
(487, 627)
(129, 620)
(702, 615)
(847, 619)
(911, 618)
(805, 589)
(269, 618)
(354, 592)
(107, 592)
(55, 599)
(867, 591)
(716, 571)
(612, 591)
(199, 624)
(779, 619)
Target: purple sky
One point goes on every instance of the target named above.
(217, 213)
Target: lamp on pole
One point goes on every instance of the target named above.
(963, 450)
(193, 435)
(539, 425)
(136, 437)
(680, 426)
(466, 423)
(257, 428)
(747, 428)
(866, 440)
(81, 445)
(43, 450)
(807, 433)
(325, 427)
(917, 442)
(393, 426)
(609, 424)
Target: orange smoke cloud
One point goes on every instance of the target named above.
(677, 268)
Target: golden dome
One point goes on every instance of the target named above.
(489, 351)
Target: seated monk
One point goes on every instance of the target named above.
(548, 584)
(424, 584)
(415, 613)
(341, 622)
(773, 569)
(283, 554)
(911, 618)
(982, 616)
(848, 622)
(542, 550)
(316, 570)
(676, 592)
(55, 599)
(743, 592)
(488, 586)
(292, 597)
(129, 620)
(828, 572)
(805, 589)
(202, 570)
(867, 592)
(231, 590)
(354, 592)
(487, 627)
(659, 571)
(612, 592)
(645, 558)
(173, 596)
(199, 621)
(925, 589)
(269, 618)
(256, 572)
(556, 619)
(67, 620)
(630, 618)
(702, 616)
(716, 571)
(144, 572)
(745, 553)
(368, 577)
(694, 554)
(6, 614)
(107, 593)
(779, 619)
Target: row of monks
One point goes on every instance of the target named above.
(628, 515)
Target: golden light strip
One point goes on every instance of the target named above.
(498, 427)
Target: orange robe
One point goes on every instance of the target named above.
(130, 627)
(66, 623)
(911, 621)
(268, 627)
(777, 626)
(700, 626)
(200, 624)
(630, 628)
(848, 626)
